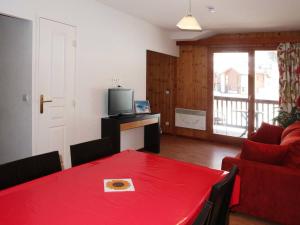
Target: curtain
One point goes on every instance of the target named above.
(289, 69)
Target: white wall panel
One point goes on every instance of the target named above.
(110, 44)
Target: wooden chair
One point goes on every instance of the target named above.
(204, 215)
(220, 197)
(23, 170)
(90, 151)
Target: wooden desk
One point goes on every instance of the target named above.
(112, 127)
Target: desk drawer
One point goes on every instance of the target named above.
(136, 124)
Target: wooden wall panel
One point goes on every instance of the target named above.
(192, 78)
(247, 39)
(194, 72)
(191, 83)
(161, 72)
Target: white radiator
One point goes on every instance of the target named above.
(188, 118)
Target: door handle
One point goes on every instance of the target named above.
(42, 101)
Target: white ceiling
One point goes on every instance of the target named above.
(230, 16)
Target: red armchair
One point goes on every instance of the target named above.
(271, 191)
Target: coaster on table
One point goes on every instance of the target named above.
(118, 185)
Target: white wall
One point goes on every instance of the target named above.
(110, 44)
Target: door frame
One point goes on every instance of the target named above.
(35, 83)
(251, 86)
(35, 57)
(33, 74)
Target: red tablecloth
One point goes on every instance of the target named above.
(167, 192)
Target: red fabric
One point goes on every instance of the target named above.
(267, 191)
(292, 159)
(268, 134)
(298, 99)
(293, 127)
(266, 153)
(291, 137)
(252, 135)
(166, 192)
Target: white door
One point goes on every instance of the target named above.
(56, 69)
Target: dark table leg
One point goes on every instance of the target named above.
(152, 138)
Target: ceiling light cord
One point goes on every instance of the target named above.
(190, 8)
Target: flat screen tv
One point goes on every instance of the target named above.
(120, 101)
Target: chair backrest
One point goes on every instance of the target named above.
(203, 217)
(23, 170)
(90, 151)
(220, 197)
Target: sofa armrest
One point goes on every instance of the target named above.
(268, 191)
(228, 162)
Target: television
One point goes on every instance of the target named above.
(120, 101)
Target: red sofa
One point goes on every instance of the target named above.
(271, 191)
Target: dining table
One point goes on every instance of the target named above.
(164, 192)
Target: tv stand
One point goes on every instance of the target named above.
(122, 116)
(112, 126)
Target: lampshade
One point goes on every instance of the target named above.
(189, 23)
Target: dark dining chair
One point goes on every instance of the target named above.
(27, 169)
(203, 217)
(90, 151)
(220, 197)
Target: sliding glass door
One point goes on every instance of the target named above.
(230, 89)
(245, 91)
(266, 87)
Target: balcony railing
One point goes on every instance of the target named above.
(233, 112)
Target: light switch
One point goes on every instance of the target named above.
(26, 98)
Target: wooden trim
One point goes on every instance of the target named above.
(136, 124)
(251, 91)
(266, 101)
(161, 53)
(210, 94)
(210, 109)
(217, 138)
(226, 139)
(231, 98)
(262, 39)
(246, 100)
(226, 48)
(174, 97)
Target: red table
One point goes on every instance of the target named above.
(167, 192)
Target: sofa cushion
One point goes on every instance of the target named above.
(265, 153)
(292, 158)
(268, 134)
(292, 137)
(295, 127)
